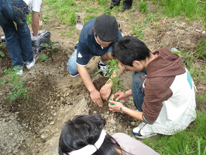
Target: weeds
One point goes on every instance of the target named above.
(200, 50)
(1, 52)
(193, 9)
(143, 6)
(18, 89)
(50, 47)
(138, 31)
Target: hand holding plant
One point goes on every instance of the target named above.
(113, 105)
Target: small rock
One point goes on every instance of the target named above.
(52, 122)
(133, 123)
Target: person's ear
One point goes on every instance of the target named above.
(136, 63)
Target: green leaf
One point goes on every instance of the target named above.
(43, 57)
(2, 54)
(44, 45)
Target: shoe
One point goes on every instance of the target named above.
(74, 75)
(137, 132)
(125, 7)
(103, 67)
(18, 71)
(112, 5)
(30, 64)
(3, 38)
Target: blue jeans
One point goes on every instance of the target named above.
(72, 64)
(18, 40)
(137, 90)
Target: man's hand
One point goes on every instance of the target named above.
(96, 98)
(115, 107)
(105, 91)
(122, 95)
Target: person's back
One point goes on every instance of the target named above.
(169, 85)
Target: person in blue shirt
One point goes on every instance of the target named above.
(96, 39)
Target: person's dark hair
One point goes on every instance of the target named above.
(84, 130)
(129, 49)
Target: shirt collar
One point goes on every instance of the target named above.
(98, 42)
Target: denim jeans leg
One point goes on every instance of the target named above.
(20, 12)
(137, 90)
(23, 33)
(12, 43)
(72, 64)
(17, 42)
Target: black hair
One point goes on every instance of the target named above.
(84, 130)
(129, 49)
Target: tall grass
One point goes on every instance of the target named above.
(193, 9)
(200, 50)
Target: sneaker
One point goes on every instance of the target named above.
(103, 67)
(137, 132)
(125, 7)
(19, 71)
(30, 64)
(74, 75)
(3, 38)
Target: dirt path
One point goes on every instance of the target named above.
(33, 126)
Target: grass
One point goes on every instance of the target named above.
(200, 50)
(193, 9)
(185, 142)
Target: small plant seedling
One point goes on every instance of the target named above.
(2, 54)
(50, 47)
(112, 66)
(43, 57)
(13, 78)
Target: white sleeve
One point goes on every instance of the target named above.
(36, 5)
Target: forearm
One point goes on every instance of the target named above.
(129, 92)
(86, 78)
(133, 113)
(35, 23)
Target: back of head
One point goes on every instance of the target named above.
(106, 28)
(129, 49)
(85, 130)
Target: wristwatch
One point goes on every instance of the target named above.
(121, 108)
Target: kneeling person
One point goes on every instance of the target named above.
(162, 89)
(96, 39)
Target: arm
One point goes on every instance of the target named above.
(123, 95)
(35, 23)
(133, 113)
(94, 94)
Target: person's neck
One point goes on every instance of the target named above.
(149, 59)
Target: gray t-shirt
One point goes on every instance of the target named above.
(132, 145)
